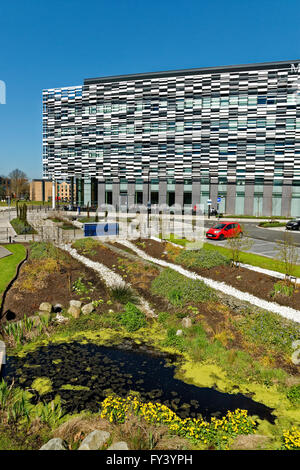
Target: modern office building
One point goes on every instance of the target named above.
(182, 137)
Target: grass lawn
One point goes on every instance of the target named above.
(9, 265)
(247, 258)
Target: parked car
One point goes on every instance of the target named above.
(293, 224)
(224, 230)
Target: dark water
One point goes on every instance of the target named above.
(101, 368)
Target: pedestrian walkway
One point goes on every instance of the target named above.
(4, 252)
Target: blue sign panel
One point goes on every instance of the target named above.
(219, 199)
(100, 230)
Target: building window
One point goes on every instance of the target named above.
(139, 197)
(108, 197)
(187, 199)
(154, 197)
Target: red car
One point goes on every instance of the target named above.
(224, 230)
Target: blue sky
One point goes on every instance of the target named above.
(59, 43)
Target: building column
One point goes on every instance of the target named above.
(146, 186)
(230, 198)
(131, 193)
(286, 198)
(101, 193)
(116, 195)
(179, 194)
(213, 192)
(162, 195)
(196, 192)
(249, 198)
(267, 199)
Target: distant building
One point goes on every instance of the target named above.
(41, 190)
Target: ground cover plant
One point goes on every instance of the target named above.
(22, 227)
(179, 289)
(201, 259)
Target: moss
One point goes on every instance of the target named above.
(42, 385)
(73, 387)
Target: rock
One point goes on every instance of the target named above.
(186, 322)
(179, 333)
(250, 442)
(57, 308)
(54, 444)
(75, 303)
(45, 307)
(119, 446)
(61, 319)
(94, 440)
(88, 308)
(74, 311)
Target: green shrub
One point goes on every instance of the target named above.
(173, 340)
(132, 319)
(22, 227)
(124, 294)
(280, 288)
(177, 288)
(293, 394)
(44, 250)
(163, 317)
(86, 246)
(201, 259)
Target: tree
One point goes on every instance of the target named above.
(238, 243)
(287, 253)
(18, 183)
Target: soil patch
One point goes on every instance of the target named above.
(53, 287)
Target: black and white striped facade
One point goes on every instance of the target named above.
(181, 137)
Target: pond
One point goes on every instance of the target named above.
(82, 373)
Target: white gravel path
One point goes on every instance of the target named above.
(110, 278)
(281, 310)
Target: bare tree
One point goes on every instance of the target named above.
(18, 183)
(237, 244)
(287, 253)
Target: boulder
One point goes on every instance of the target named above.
(186, 322)
(54, 444)
(94, 440)
(74, 311)
(45, 307)
(88, 308)
(179, 333)
(121, 445)
(57, 308)
(60, 318)
(75, 303)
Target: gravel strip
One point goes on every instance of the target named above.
(281, 310)
(110, 278)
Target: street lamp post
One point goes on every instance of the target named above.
(148, 200)
(53, 192)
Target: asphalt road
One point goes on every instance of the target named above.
(264, 239)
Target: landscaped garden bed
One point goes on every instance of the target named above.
(210, 350)
(51, 275)
(218, 267)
